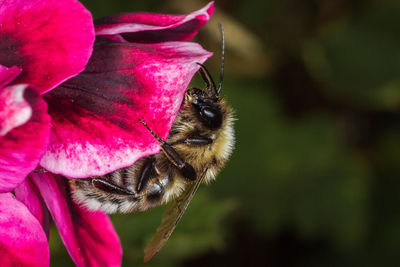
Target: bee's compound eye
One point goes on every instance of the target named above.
(208, 113)
(211, 117)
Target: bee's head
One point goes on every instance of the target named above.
(207, 108)
(207, 102)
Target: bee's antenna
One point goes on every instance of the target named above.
(151, 131)
(207, 78)
(221, 28)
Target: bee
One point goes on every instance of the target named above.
(199, 143)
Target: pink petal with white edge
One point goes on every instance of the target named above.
(154, 28)
(50, 40)
(22, 240)
(29, 195)
(95, 116)
(7, 75)
(22, 147)
(88, 236)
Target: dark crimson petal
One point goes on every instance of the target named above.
(50, 40)
(22, 147)
(7, 75)
(88, 236)
(29, 195)
(155, 28)
(95, 116)
(22, 240)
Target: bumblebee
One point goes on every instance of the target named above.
(200, 141)
(200, 138)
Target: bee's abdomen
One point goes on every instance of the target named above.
(136, 188)
(86, 193)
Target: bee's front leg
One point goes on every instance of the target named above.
(195, 141)
(185, 168)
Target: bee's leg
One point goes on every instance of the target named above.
(147, 172)
(185, 168)
(110, 187)
(195, 141)
(155, 192)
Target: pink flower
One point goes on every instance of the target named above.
(140, 67)
(40, 48)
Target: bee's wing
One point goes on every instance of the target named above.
(170, 219)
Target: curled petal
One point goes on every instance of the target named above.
(7, 75)
(27, 134)
(88, 236)
(29, 195)
(95, 116)
(14, 109)
(50, 40)
(155, 28)
(22, 240)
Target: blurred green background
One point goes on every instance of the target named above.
(314, 178)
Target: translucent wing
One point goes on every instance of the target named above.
(170, 219)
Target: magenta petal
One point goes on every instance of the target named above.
(29, 195)
(50, 40)
(22, 240)
(7, 75)
(95, 116)
(23, 146)
(154, 28)
(88, 236)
